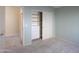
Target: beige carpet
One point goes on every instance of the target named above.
(47, 46)
(10, 42)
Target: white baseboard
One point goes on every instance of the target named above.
(12, 35)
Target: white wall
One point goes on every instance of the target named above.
(11, 21)
(2, 20)
(67, 23)
(48, 29)
(2, 25)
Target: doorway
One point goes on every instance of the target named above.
(13, 27)
(36, 25)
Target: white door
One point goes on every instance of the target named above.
(35, 25)
(48, 25)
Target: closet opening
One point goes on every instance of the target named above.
(36, 25)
